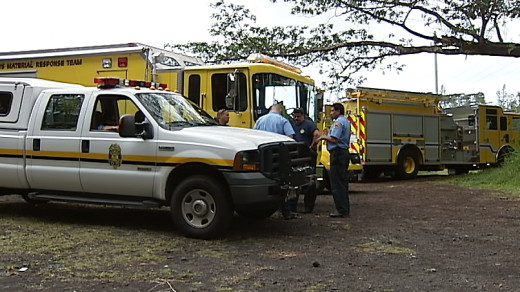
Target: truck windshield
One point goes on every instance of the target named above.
(272, 88)
(173, 110)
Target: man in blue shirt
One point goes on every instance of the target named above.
(274, 122)
(305, 131)
(338, 143)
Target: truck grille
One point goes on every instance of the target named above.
(289, 163)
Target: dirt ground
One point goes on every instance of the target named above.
(401, 236)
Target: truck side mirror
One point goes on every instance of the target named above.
(232, 91)
(127, 126)
(145, 130)
(135, 126)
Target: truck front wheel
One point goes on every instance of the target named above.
(200, 208)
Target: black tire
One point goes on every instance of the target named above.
(503, 155)
(407, 165)
(257, 214)
(201, 208)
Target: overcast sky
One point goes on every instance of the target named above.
(36, 24)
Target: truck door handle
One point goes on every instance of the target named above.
(85, 146)
(36, 144)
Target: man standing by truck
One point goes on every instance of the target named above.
(305, 131)
(338, 143)
(274, 122)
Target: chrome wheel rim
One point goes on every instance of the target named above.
(198, 208)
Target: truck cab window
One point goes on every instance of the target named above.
(503, 124)
(491, 123)
(269, 88)
(229, 94)
(62, 112)
(516, 124)
(6, 99)
(194, 89)
(108, 110)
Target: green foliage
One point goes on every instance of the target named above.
(348, 42)
(503, 178)
(461, 99)
(509, 102)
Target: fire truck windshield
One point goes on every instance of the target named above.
(270, 88)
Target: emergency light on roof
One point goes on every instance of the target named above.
(261, 58)
(111, 82)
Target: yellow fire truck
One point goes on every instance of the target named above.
(245, 89)
(400, 133)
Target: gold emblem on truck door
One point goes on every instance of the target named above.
(114, 156)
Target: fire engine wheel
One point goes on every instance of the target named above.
(407, 165)
(201, 208)
(502, 156)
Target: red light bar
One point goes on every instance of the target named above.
(106, 81)
(114, 81)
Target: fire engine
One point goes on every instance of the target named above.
(245, 89)
(400, 133)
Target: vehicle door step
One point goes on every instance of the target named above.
(136, 202)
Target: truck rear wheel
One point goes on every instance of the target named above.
(200, 208)
(407, 165)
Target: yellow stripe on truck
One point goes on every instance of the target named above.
(139, 158)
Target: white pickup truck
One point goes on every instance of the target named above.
(142, 147)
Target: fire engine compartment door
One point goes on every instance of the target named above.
(489, 142)
(431, 139)
(379, 137)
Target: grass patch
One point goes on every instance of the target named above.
(505, 178)
(92, 252)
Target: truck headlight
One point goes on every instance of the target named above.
(247, 161)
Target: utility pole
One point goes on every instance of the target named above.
(436, 74)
